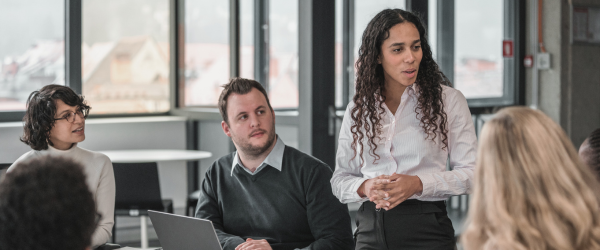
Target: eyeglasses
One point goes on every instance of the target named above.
(70, 115)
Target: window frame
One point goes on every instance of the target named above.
(73, 78)
(347, 52)
(261, 60)
(177, 64)
(514, 18)
(72, 35)
(177, 59)
(261, 54)
(73, 38)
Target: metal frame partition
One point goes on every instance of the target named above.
(73, 38)
(347, 51)
(261, 42)
(316, 111)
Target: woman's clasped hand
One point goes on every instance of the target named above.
(388, 191)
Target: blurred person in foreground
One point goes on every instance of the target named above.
(45, 204)
(54, 124)
(268, 195)
(531, 190)
(589, 151)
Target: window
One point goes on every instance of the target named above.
(268, 52)
(471, 52)
(30, 60)
(125, 55)
(478, 61)
(283, 51)
(206, 51)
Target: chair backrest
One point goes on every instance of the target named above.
(3, 168)
(4, 165)
(137, 186)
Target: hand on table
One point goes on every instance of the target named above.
(396, 188)
(254, 244)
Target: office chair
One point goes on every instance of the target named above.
(3, 167)
(137, 191)
(192, 202)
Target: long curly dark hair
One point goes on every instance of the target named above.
(370, 84)
(41, 109)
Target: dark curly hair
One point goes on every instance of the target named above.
(41, 109)
(45, 204)
(594, 151)
(370, 84)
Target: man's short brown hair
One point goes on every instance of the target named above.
(239, 86)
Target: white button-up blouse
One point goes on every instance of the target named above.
(404, 149)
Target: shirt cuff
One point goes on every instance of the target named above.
(428, 186)
(354, 188)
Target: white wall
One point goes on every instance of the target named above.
(569, 90)
(10, 146)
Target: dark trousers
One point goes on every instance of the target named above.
(413, 224)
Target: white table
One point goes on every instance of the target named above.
(153, 155)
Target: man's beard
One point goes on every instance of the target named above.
(252, 150)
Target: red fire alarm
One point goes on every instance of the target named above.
(528, 61)
(507, 48)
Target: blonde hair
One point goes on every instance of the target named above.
(531, 190)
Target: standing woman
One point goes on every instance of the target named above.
(404, 123)
(54, 124)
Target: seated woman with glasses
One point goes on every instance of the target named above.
(531, 190)
(53, 125)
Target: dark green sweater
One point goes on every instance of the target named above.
(292, 208)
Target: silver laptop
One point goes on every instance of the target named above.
(177, 232)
